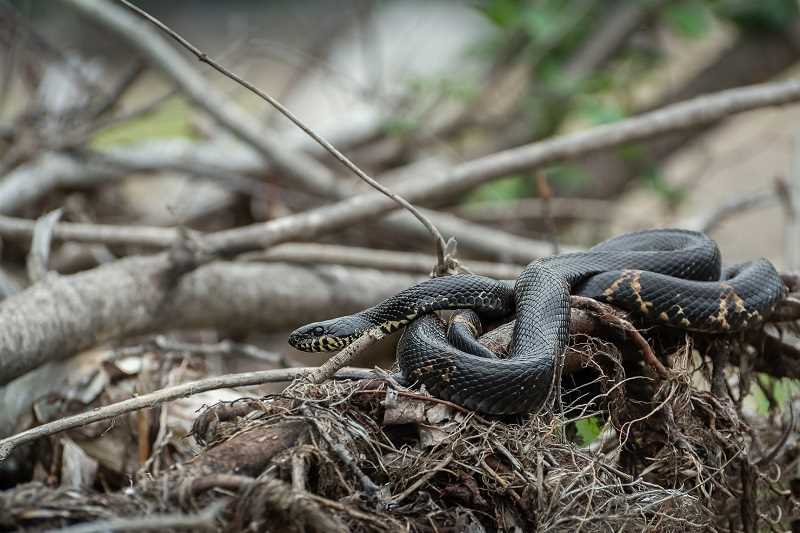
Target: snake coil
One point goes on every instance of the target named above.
(668, 277)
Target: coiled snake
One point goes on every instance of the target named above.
(668, 277)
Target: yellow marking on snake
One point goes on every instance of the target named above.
(636, 287)
(663, 316)
(721, 317)
(609, 292)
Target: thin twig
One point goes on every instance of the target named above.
(699, 111)
(161, 238)
(582, 209)
(371, 258)
(203, 57)
(338, 361)
(153, 399)
(116, 93)
(791, 198)
(546, 194)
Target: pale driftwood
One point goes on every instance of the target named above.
(61, 316)
(22, 318)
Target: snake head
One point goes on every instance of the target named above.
(328, 335)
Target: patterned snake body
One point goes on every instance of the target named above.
(668, 277)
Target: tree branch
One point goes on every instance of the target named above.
(464, 177)
(59, 317)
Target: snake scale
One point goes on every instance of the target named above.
(668, 277)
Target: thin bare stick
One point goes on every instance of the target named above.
(329, 368)
(162, 238)
(791, 198)
(430, 187)
(371, 258)
(582, 209)
(546, 194)
(147, 401)
(203, 57)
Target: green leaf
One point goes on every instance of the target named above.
(588, 429)
(689, 18)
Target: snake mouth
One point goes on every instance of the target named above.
(319, 344)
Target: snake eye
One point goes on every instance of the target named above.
(319, 330)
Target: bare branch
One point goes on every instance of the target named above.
(582, 209)
(702, 110)
(622, 20)
(370, 258)
(61, 316)
(229, 163)
(160, 238)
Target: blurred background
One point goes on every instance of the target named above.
(405, 89)
(399, 83)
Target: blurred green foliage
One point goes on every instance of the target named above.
(546, 33)
(779, 389)
(501, 190)
(689, 18)
(171, 119)
(588, 429)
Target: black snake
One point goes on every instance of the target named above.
(668, 277)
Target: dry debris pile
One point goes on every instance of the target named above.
(670, 455)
